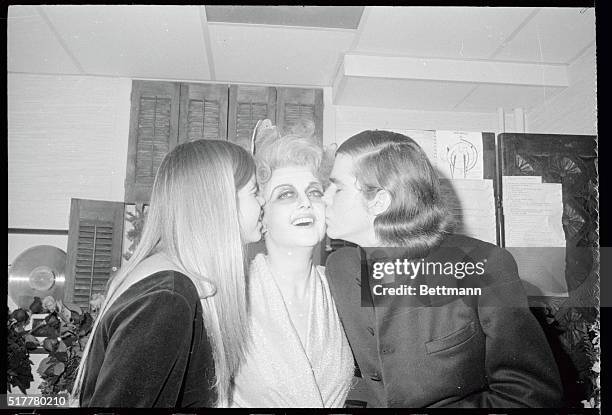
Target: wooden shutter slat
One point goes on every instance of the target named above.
(249, 104)
(294, 104)
(153, 135)
(83, 270)
(153, 132)
(83, 287)
(94, 240)
(203, 120)
(101, 241)
(97, 265)
(295, 112)
(212, 120)
(203, 112)
(86, 276)
(248, 115)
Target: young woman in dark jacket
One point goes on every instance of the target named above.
(173, 328)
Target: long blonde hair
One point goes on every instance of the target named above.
(193, 220)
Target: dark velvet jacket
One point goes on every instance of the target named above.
(481, 351)
(151, 349)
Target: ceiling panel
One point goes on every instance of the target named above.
(134, 41)
(401, 94)
(167, 42)
(487, 98)
(449, 32)
(554, 35)
(275, 55)
(32, 46)
(344, 17)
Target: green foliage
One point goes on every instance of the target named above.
(19, 344)
(137, 220)
(65, 329)
(72, 326)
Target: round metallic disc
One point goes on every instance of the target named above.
(39, 271)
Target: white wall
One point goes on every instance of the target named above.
(574, 110)
(67, 138)
(341, 121)
(351, 120)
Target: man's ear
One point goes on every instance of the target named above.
(380, 203)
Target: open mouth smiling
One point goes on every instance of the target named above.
(304, 221)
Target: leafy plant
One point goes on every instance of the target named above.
(593, 351)
(19, 344)
(137, 220)
(66, 329)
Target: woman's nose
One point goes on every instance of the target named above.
(304, 201)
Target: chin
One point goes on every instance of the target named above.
(309, 242)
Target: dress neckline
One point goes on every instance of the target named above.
(311, 288)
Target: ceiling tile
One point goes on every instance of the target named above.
(554, 35)
(487, 98)
(277, 55)
(32, 46)
(343, 17)
(135, 41)
(443, 32)
(394, 93)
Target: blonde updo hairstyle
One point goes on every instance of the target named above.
(294, 146)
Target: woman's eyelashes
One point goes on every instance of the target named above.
(292, 194)
(286, 194)
(315, 194)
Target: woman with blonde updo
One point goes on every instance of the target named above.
(299, 355)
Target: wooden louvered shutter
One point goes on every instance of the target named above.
(153, 133)
(247, 105)
(94, 248)
(203, 113)
(293, 104)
